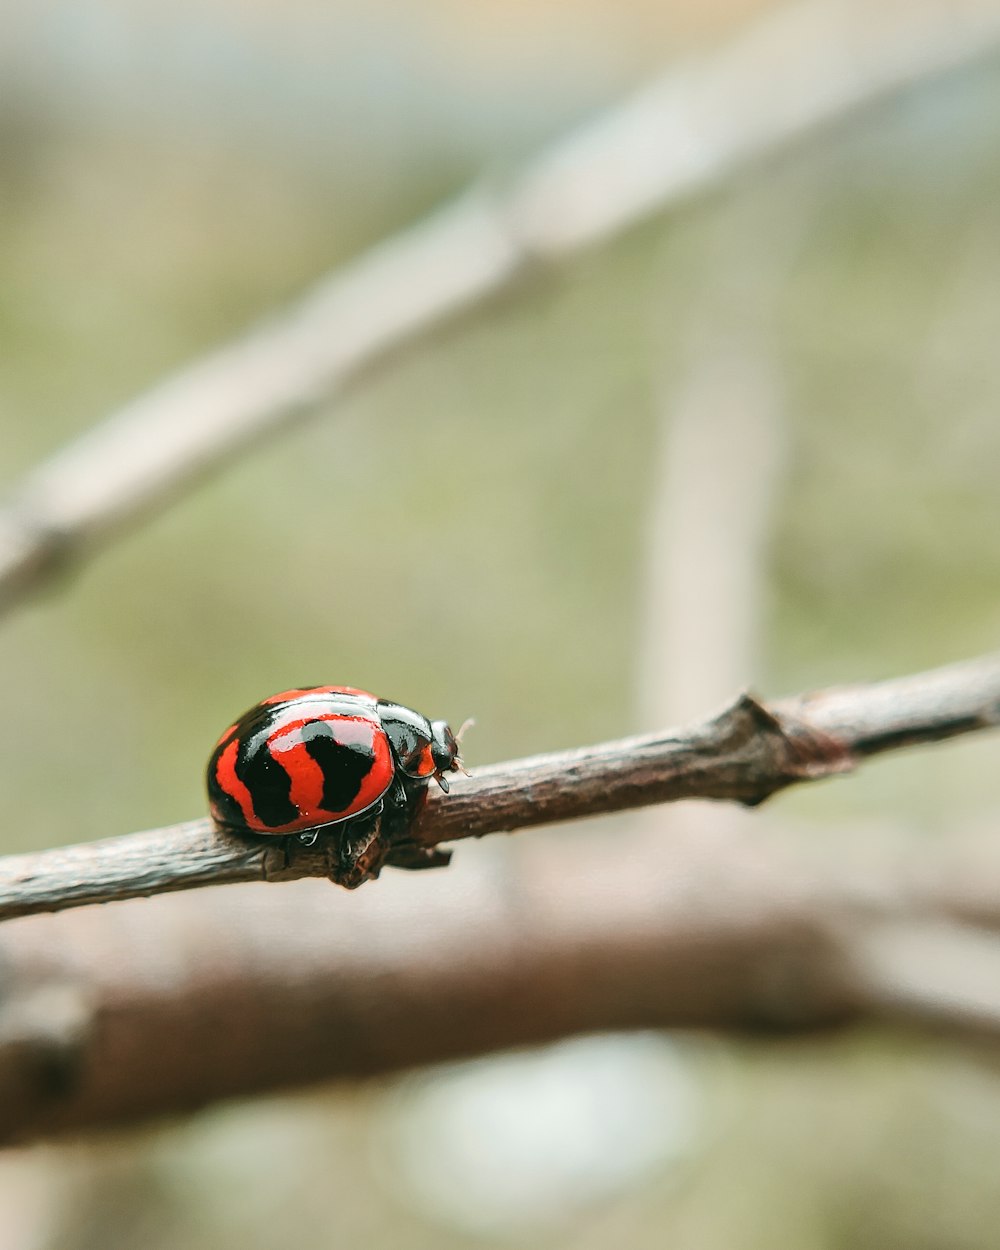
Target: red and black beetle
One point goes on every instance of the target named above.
(332, 759)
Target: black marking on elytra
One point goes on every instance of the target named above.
(226, 809)
(268, 783)
(344, 765)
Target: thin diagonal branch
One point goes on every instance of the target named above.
(745, 755)
(807, 67)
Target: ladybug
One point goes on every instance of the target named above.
(333, 760)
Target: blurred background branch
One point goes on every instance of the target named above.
(224, 994)
(808, 345)
(795, 72)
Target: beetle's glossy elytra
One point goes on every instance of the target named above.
(319, 756)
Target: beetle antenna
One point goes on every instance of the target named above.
(466, 725)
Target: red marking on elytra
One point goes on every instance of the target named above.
(376, 781)
(352, 730)
(307, 785)
(288, 749)
(225, 775)
(286, 696)
(425, 763)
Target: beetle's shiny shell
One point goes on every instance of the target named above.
(299, 760)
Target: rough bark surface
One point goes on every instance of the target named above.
(745, 754)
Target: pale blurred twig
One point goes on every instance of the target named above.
(810, 65)
(716, 473)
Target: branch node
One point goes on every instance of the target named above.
(780, 749)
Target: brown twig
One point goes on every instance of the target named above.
(746, 754)
(802, 69)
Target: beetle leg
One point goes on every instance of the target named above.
(361, 850)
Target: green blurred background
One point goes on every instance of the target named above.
(467, 533)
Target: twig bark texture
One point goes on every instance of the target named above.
(746, 754)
